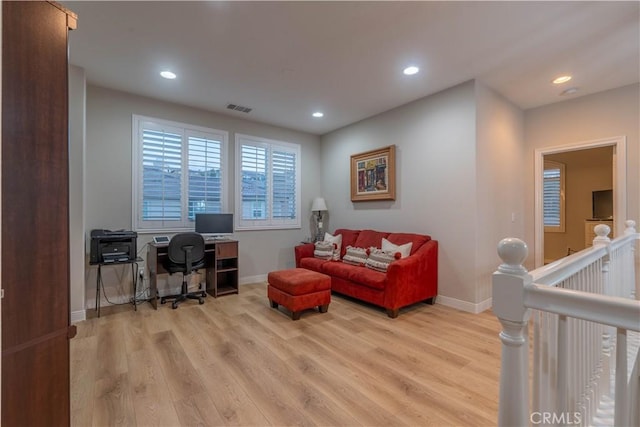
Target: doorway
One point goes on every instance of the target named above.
(571, 237)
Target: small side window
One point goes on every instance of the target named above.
(553, 196)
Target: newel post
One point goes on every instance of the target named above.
(508, 304)
(602, 232)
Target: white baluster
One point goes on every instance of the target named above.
(630, 229)
(508, 296)
(565, 392)
(607, 330)
(621, 405)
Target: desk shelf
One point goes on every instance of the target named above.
(224, 280)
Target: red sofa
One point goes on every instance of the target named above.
(407, 281)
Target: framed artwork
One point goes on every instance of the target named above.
(373, 175)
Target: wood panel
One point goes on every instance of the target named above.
(35, 215)
(237, 361)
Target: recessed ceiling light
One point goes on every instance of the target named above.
(569, 91)
(409, 71)
(168, 75)
(561, 79)
(318, 114)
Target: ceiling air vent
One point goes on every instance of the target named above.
(239, 108)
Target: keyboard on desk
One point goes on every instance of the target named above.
(215, 239)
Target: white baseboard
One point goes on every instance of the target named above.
(252, 279)
(465, 305)
(78, 316)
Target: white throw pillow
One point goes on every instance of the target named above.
(405, 250)
(337, 240)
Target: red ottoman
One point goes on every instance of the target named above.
(298, 289)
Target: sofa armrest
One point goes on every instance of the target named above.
(303, 251)
(413, 279)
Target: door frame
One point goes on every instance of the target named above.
(619, 144)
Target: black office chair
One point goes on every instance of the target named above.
(185, 255)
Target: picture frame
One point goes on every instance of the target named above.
(373, 175)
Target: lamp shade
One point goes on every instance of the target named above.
(318, 204)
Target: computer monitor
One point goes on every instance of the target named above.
(602, 204)
(214, 224)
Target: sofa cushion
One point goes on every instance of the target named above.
(360, 275)
(403, 250)
(402, 238)
(369, 238)
(355, 256)
(314, 264)
(348, 238)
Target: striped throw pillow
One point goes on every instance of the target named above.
(355, 256)
(379, 260)
(323, 250)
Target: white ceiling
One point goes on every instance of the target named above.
(288, 59)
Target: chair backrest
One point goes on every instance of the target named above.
(186, 249)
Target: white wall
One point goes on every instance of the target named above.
(108, 180)
(602, 115)
(499, 182)
(77, 104)
(435, 179)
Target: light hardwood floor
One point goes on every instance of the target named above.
(236, 361)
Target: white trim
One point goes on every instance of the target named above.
(467, 306)
(619, 185)
(78, 316)
(252, 279)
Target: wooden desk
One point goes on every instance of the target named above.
(220, 263)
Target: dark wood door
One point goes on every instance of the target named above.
(35, 215)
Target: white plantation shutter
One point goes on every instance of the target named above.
(284, 184)
(162, 172)
(178, 170)
(205, 175)
(553, 196)
(267, 183)
(254, 182)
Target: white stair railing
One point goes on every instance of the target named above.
(582, 312)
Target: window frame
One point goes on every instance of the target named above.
(547, 165)
(269, 223)
(186, 131)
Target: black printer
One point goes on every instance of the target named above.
(113, 246)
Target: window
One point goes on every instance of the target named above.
(267, 183)
(553, 196)
(178, 170)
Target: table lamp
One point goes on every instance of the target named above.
(319, 206)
